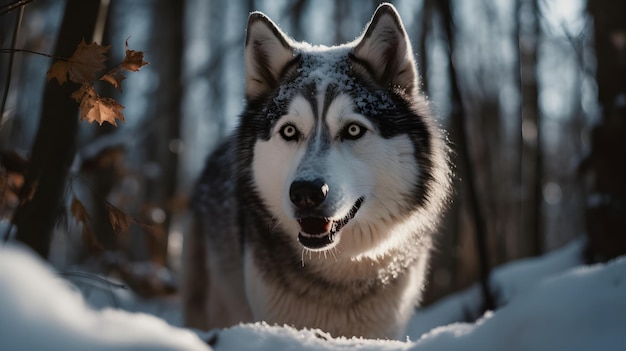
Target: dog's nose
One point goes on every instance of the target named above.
(308, 194)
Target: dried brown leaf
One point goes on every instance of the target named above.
(114, 77)
(4, 184)
(87, 61)
(91, 241)
(81, 215)
(108, 110)
(111, 157)
(13, 161)
(95, 108)
(83, 66)
(9, 199)
(16, 180)
(28, 194)
(85, 89)
(118, 219)
(133, 60)
(79, 212)
(59, 71)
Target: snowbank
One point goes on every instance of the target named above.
(582, 309)
(506, 282)
(40, 311)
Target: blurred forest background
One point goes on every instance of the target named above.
(532, 93)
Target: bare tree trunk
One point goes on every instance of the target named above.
(427, 14)
(341, 9)
(459, 128)
(55, 144)
(444, 275)
(606, 165)
(531, 171)
(296, 13)
(163, 143)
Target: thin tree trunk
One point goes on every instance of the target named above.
(55, 143)
(426, 29)
(606, 165)
(531, 232)
(164, 141)
(341, 9)
(458, 118)
(104, 178)
(296, 14)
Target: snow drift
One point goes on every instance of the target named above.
(582, 309)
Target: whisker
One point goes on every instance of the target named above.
(332, 252)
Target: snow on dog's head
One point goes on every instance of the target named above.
(342, 149)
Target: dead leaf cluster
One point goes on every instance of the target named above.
(84, 67)
(119, 220)
(12, 177)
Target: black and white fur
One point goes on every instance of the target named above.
(319, 211)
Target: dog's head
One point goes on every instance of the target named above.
(340, 143)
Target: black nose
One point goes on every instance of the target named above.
(308, 194)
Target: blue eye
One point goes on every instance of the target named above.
(353, 131)
(289, 132)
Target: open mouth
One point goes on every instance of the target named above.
(319, 232)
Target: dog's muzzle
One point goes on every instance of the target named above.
(316, 231)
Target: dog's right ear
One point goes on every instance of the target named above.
(385, 51)
(267, 52)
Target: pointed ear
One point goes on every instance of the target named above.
(385, 51)
(267, 51)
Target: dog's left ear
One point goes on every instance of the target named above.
(385, 51)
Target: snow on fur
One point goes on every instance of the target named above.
(322, 66)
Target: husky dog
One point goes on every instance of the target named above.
(319, 211)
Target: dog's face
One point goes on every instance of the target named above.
(339, 147)
(327, 173)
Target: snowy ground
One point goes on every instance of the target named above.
(550, 303)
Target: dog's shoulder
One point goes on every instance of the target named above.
(215, 187)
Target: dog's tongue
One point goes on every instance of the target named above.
(315, 225)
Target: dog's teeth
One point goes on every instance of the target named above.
(314, 225)
(323, 227)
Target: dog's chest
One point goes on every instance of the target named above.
(381, 314)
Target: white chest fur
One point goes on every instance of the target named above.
(383, 313)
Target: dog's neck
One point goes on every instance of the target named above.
(356, 273)
(374, 268)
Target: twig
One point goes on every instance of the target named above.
(109, 284)
(96, 278)
(13, 50)
(12, 6)
(7, 234)
(5, 94)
